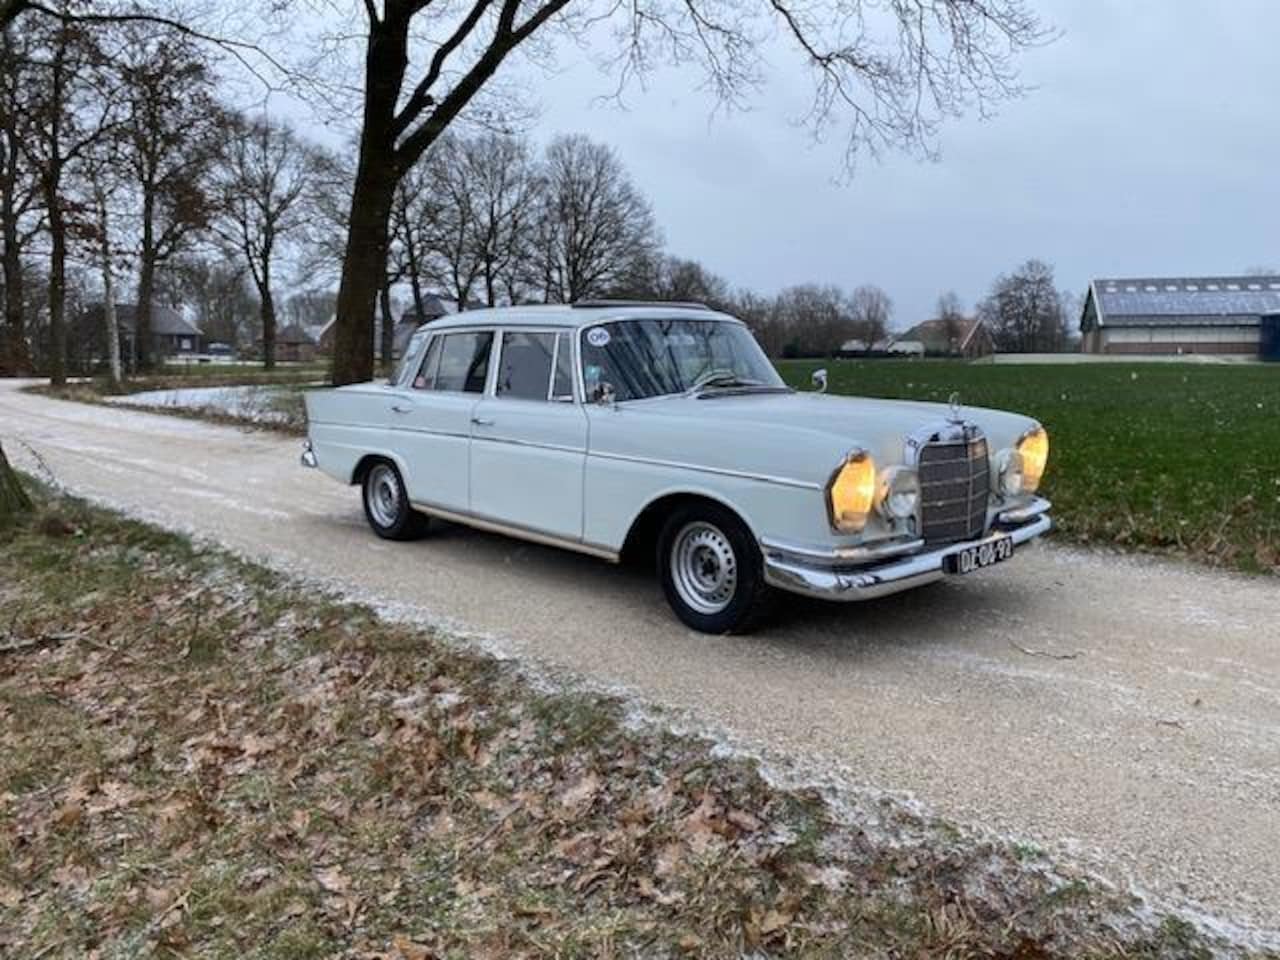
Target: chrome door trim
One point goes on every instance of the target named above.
(519, 532)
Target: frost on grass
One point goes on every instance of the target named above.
(202, 758)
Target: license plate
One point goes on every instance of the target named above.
(975, 558)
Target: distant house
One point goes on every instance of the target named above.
(172, 334)
(1178, 315)
(966, 337)
(293, 345)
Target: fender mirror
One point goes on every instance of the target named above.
(819, 380)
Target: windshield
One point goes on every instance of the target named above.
(650, 358)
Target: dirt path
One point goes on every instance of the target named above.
(1126, 708)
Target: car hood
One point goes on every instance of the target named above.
(798, 435)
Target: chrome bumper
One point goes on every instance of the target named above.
(308, 455)
(863, 573)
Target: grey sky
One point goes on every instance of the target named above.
(1151, 146)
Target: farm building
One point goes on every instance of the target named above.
(966, 337)
(1166, 315)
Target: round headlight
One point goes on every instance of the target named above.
(852, 492)
(1010, 473)
(1033, 450)
(899, 494)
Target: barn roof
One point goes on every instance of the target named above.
(1191, 301)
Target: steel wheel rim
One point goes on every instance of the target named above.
(382, 494)
(704, 567)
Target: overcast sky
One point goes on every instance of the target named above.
(1150, 146)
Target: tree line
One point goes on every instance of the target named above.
(124, 175)
(888, 75)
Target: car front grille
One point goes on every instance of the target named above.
(954, 485)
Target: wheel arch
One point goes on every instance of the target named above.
(641, 541)
(366, 462)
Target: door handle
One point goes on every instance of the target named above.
(482, 422)
(401, 407)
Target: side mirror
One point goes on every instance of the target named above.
(605, 395)
(819, 380)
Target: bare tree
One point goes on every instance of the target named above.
(172, 133)
(1024, 311)
(951, 312)
(263, 178)
(871, 309)
(214, 287)
(455, 260)
(892, 72)
(505, 188)
(19, 200)
(594, 224)
(68, 112)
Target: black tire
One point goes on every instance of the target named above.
(727, 593)
(386, 504)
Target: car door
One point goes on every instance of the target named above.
(432, 416)
(529, 437)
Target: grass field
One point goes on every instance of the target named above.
(1171, 457)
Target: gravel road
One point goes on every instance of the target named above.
(1124, 708)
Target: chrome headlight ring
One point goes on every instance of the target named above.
(1008, 474)
(898, 496)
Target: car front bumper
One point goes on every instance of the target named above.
(877, 570)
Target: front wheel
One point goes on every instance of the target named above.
(386, 504)
(711, 570)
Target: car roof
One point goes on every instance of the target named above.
(573, 316)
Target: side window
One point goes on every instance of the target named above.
(426, 378)
(525, 371)
(562, 389)
(464, 362)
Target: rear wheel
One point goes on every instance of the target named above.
(711, 570)
(386, 504)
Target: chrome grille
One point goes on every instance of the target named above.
(954, 485)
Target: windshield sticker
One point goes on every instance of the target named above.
(598, 337)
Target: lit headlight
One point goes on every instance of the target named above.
(899, 493)
(1033, 450)
(851, 494)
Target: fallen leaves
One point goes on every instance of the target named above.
(326, 779)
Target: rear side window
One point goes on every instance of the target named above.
(525, 368)
(464, 362)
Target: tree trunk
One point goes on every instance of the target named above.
(108, 291)
(364, 264)
(363, 267)
(14, 502)
(387, 346)
(143, 354)
(57, 295)
(15, 356)
(267, 314)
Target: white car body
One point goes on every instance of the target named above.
(595, 477)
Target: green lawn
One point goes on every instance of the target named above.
(1177, 457)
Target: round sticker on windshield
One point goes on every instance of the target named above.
(598, 337)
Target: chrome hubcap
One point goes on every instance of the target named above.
(704, 568)
(382, 493)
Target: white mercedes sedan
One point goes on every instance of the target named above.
(661, 430)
